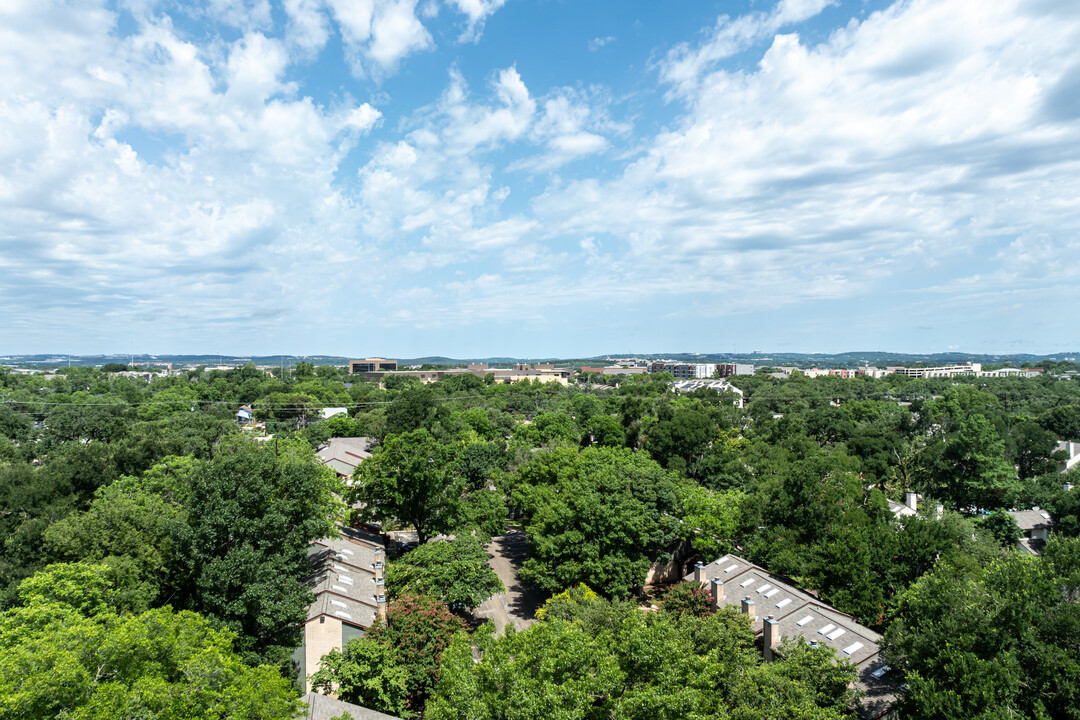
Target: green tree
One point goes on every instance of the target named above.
(410, 478)
(1000, 641)
(1031, 449)
(712, 521)
(397, 664)
(64, 653)
(365, 673)
(594, 659)
(972, 471)
(1002, 526)
(252, 513)
(598, 517)
(456, 572)
(130, 530)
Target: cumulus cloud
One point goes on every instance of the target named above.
(684, 65)
(476, 11)
(151, 179)
(378, 34)
(813, 174)
(102, 226)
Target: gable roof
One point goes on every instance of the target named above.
(321, 707)
(802, 615)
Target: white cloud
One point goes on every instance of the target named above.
(813, 174)
(378, 34)
(598, 42)
(307, 27)
(477, 11)
(95, 222)
(683, 66)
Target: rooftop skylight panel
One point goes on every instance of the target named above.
(836, 633)
(729, 568)
(853, 647)
(747, 582)
(766, 586)
(772, 592)
(783, 603)
(827, 629)
(805, 620)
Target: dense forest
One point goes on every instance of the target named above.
(154, 551)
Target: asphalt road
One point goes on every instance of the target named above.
(519, 603)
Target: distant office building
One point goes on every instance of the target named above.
(728, 369)
(371, 365)
(543, 372)
(616, 370)
(684, 371)
(968, 368)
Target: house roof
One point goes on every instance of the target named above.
(900, 509)
(802, 615)
(345, 454)
(1031, 519)
(343, 577)
(321, 707)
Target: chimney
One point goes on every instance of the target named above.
(699, 574)
(748, 608)
(912, 500)
(770, 637)
(380, 602)
(717, 594)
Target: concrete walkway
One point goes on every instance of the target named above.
(519, 603)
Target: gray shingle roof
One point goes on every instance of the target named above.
(801, 615)
(321, 707)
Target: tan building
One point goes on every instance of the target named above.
(520, 371)
(347, 579)
(779, 611)
(368, 365)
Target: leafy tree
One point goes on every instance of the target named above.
(1002, 526)
(712, 521)
(688, 597)
(598, 517)
(1063, 421)
(413, 409)
(410, 478)
(681, 440)
(594, 659)
(251, 517)
(65, 653)
(972, 471)
(456, 572)
(1001, 641)
(14, 424)
(365, 673)
(1032, 450)
(130, 531)
(603, 430)
(1064, 507)
(396, 665)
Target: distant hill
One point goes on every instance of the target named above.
(846, 359)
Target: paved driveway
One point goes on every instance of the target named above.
(519, 603)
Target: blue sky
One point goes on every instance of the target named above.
(539, 177)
